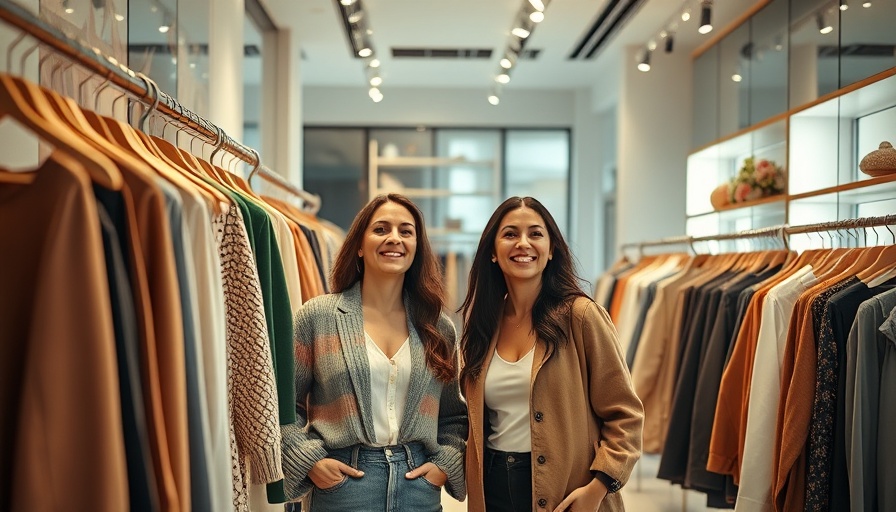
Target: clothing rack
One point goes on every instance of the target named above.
(117, 74)
(783, 232)
(312, 201)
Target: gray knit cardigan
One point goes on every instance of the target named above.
(333, 400)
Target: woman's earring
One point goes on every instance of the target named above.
(358, 264)
(494, 259)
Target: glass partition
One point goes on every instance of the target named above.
(706, 89)
(767, 54)
(734, 96)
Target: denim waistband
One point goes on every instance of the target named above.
(414, 453)
(513, 458)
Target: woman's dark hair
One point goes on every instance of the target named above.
(422, 283)
(487, 288)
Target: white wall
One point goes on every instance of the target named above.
(654, 137)
(345, 106)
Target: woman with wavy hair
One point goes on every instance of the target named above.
(554, 420)
(381, 424)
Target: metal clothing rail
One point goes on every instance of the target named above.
(782, 232)
(312, 201)
(121, 76)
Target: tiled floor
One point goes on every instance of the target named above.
(644, 493)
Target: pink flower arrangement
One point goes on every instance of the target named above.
(756, 180)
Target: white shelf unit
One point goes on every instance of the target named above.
(822, 144)
(429, 179)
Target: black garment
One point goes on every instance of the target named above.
(141, 478)
(743, 302)
(508, 481)
(315, 249)
(827, 446)
(705, 301)
(712, 366)
(818, 478)
(643, 307)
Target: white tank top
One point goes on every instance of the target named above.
(507, 400)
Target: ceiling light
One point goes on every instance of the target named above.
(685, 15)
(355, 17)
(119, 17)
(164, 28)
(493, 99)
(538, 5)
(736, 77)
(823, 26)
(705, 17)
(537, 17)
(651, 45)
(506, 63)
(375, 63)
(365, 52)
(346, 2)
(68, 8)
(644, 65)
(844, 5)
(503, 78)
(192, 65)
(376, 81)
(520, 32)
(375, 95)
(866, 5)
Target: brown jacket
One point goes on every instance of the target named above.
(588, 416)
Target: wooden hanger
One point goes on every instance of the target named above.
(43, 122)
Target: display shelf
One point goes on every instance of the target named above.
(870, 189)
(431, 192)
(412, 162)
(829, 138)
(778, 198)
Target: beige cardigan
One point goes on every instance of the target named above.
(590, 418)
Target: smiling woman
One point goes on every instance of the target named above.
(532, 335)
(380, 418)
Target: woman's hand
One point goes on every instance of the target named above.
(430, 472)
(327, 473)
(586, 498)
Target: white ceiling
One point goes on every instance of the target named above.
(476, 24)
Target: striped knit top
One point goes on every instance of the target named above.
(333, 399)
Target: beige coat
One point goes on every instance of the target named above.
(590, 418)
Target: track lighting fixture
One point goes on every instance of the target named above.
(527, 17)
(644, 65)
(705, 17)
(670, 42)
(67, 6)
(356, 21)
(844, 5)
(866, 5)
(823, 26)
(686, 15)
(165, 27)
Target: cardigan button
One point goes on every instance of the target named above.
(541, 459)
(539, 416)
(542, 502)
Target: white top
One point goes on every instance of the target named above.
(389, 382)
(507, 393)
(755, 491)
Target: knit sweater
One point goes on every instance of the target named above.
(333, 399)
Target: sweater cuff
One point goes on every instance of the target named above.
(264, 465)
(451, 461)
(300, 454)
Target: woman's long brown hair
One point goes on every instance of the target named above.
(422, 283)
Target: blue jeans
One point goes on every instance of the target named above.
(508, 481)
(383, 488)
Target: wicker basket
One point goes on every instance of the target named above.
(880, 162)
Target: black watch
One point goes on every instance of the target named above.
(611, 483)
